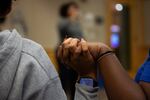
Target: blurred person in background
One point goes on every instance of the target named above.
(86, 58)
(69, 26)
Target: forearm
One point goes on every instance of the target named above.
(118, 85)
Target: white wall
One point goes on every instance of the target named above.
(41, 18)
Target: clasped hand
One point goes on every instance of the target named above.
(81, 55)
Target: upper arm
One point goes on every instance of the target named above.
(146, 88)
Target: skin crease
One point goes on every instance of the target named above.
(118, 84)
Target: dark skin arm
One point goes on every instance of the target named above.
(118, 85)
(146, 89)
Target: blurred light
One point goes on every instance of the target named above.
(115, 28)
(115, 40)
(119, 7)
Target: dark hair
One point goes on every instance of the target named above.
(65, 7)
(5, 7)
(2, 20)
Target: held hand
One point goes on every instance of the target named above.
(81, 56)
(75, 54)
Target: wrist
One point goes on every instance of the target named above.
(104, 51)
(107, 57)
(96, 49)
(92, 75)
(104, 48)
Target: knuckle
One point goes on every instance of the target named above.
(70, 38)
(72, 46)
(76, 39)
(67, 40)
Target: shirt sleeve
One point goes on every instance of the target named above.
(145, 74)
(84, 92)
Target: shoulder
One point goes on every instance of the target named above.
(31, 47)
(36, 52)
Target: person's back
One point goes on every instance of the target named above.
(26, 72)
